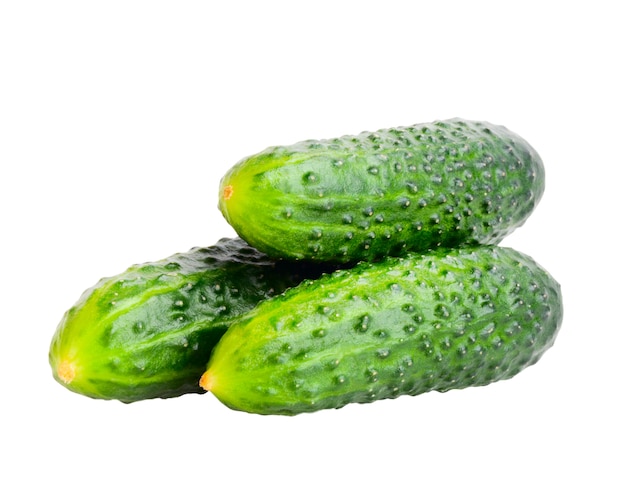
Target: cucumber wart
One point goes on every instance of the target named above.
(148, 332)
(367, 196)
(403, 326)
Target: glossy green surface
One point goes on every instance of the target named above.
(148, 332)
(383, 193)
(403, 326)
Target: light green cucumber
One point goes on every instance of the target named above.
(436, 321)
(148, 332)
(363, 197)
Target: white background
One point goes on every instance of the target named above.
(117, 120)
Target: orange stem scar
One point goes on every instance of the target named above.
(207, 381)
(66, 372)
(228, 192)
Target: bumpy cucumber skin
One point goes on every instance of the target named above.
(148, 332)
(384, 193)
(403, 326)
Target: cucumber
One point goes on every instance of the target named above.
(402, 189)
(148, 332)
(434, 321)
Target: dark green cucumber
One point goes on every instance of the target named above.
(148, 332)
(401, 326)
(384, 193)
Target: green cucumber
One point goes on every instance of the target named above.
(384, 193)
(438, 321)
(148, 332)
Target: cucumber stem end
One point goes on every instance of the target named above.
(228, 192)
(66, 372)
(207, 381)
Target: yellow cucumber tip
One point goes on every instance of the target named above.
(207, 381)
(66, 371)
(227, 192)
